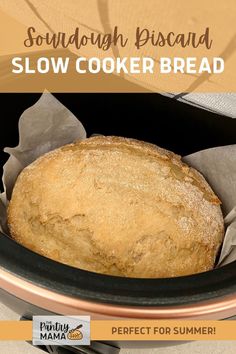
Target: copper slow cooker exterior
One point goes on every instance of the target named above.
(219, 308)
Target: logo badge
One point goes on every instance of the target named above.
(61, 330)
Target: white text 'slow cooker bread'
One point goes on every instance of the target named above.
(117, 206)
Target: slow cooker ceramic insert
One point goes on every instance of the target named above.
(34, 285)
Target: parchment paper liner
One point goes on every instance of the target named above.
(48, 125)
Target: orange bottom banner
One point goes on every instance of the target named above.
(163, 330)
(138, 330)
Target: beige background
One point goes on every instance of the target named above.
(216, 347)
(101, 17)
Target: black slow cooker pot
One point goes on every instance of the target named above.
(34, 285)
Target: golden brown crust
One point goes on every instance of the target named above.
(117, 206)
(155, 151)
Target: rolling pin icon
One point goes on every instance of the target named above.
(75, 333)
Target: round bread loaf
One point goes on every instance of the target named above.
(117, 206)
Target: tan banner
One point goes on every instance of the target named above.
(137, 330)
(163, 330)
(85, 45)
(16, 330)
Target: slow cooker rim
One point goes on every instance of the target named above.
(64, 305)
(62, 279)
